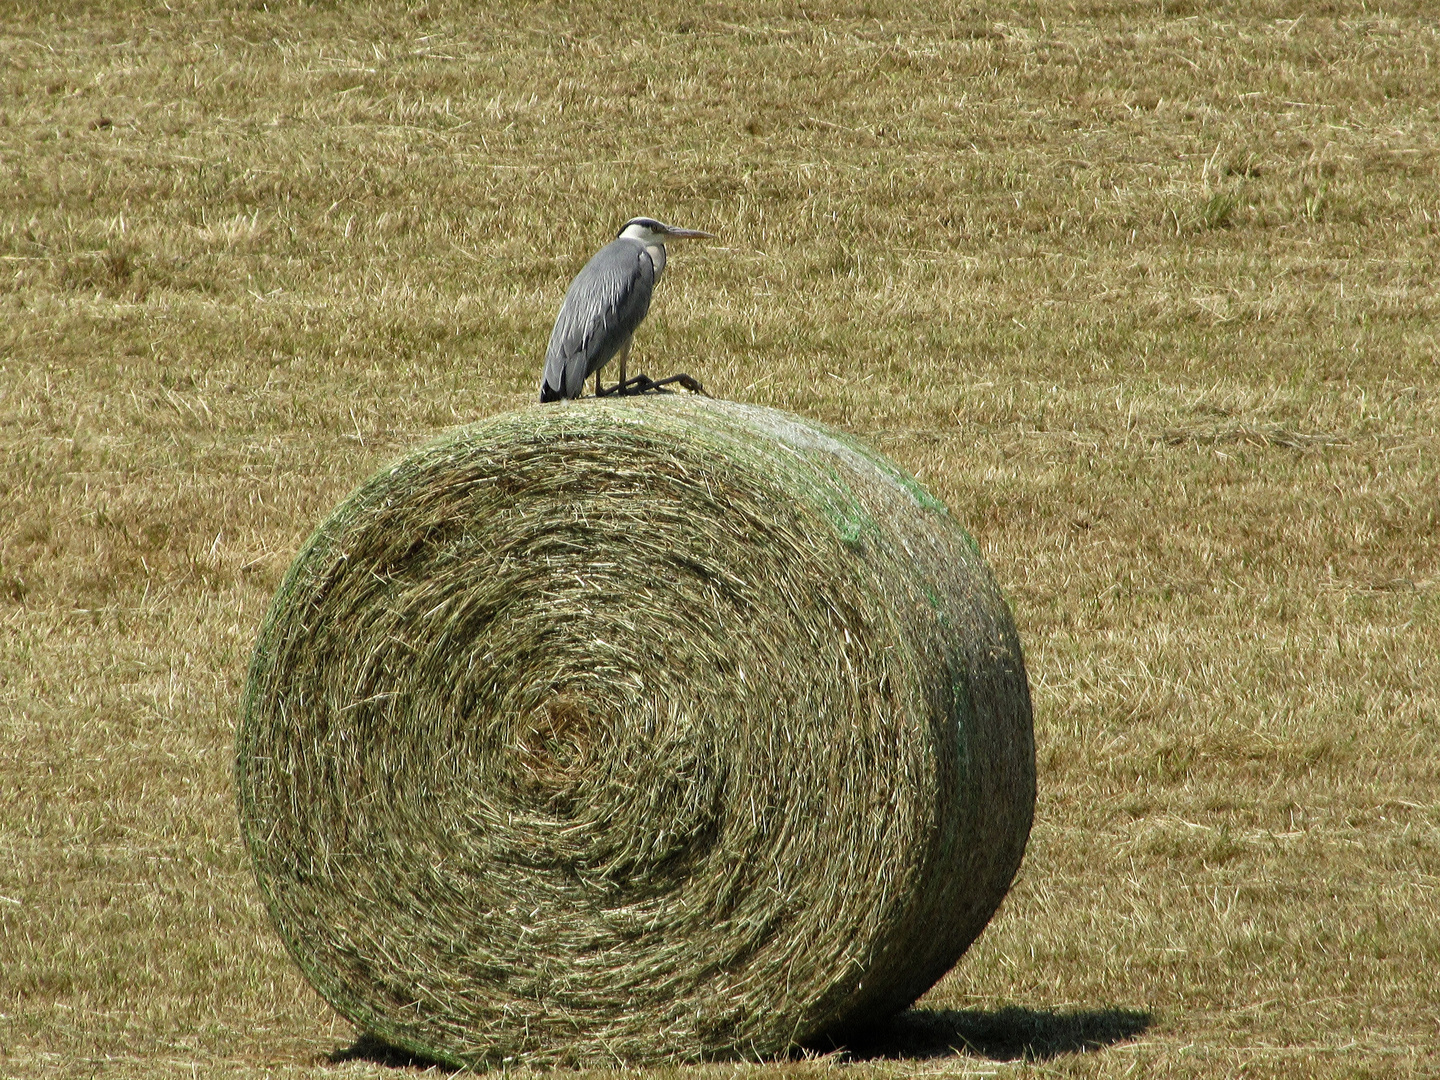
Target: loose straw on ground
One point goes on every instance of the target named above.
(634, 731)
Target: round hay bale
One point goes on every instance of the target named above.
(634, 731)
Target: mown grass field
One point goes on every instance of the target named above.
(1145, 292)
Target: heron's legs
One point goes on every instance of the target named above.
(643, 384)
(618, 388)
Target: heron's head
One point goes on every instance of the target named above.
(653, 233)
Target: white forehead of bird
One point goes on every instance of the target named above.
(646, 229)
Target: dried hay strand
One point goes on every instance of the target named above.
(634, 731)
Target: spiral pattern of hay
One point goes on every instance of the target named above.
(634, 731)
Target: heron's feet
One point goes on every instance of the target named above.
(643, 384)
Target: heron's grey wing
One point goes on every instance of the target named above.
(603, 306)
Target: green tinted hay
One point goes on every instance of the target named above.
(638, 730)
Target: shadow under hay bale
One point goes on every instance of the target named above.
(634, 731)
(1007, 1034)
(378, 1052)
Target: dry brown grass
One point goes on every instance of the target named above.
(1147, 294)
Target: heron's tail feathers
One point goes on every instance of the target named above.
(549, 393)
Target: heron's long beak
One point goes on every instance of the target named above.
(672, 233)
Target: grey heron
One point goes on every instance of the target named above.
(608, 299)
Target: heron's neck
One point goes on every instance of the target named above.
(652, 245)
